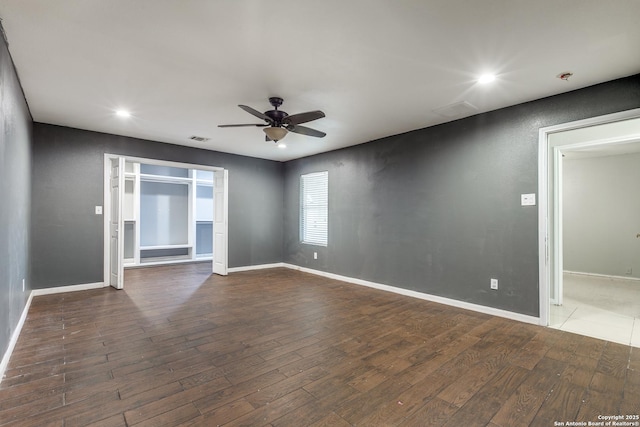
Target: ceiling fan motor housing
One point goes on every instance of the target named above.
(276, 115)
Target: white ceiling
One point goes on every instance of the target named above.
(375, 67)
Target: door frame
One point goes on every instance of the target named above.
(222, 267)
(550, 198)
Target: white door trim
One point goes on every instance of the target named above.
(107, 198)
(557, 297)
(549, 187)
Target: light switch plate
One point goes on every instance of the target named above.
(528, 199)
(98, 210)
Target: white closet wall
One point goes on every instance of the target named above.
(164, 214)
(204, 214)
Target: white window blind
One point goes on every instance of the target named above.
(314, 208)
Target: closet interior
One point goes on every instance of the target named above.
(168, 214)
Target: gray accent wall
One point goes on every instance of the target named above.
(601, 215)
(15, 173)
(437, 210)
(67, 236)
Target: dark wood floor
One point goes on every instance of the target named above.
(283, 348)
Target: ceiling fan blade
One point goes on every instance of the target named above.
(296, 119)
(256, 113)
(303, 130)
(243, 125)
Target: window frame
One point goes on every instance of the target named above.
(314, 182)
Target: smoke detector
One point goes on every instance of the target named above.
(565, 75)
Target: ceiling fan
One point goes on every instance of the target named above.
(278, 123)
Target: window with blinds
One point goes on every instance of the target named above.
(314, 208)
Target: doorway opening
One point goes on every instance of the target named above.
(162, 212)
(610, 135)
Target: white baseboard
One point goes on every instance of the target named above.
(604, 276)
(255, 267)
(441, 300)
(14, 337)
(69, 288)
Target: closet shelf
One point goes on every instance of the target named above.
(152, 248)
(165, 178)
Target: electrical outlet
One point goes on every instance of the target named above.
(315, 255)
(494, 284)
(98, 210)
(629, 271)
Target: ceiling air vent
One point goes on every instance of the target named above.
(199, 138)
(457, 110)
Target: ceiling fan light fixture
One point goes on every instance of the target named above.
(275, 133)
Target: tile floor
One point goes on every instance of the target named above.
(599, 307)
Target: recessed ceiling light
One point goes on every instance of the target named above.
(282, 145)
(486, 78)
(123, 113)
